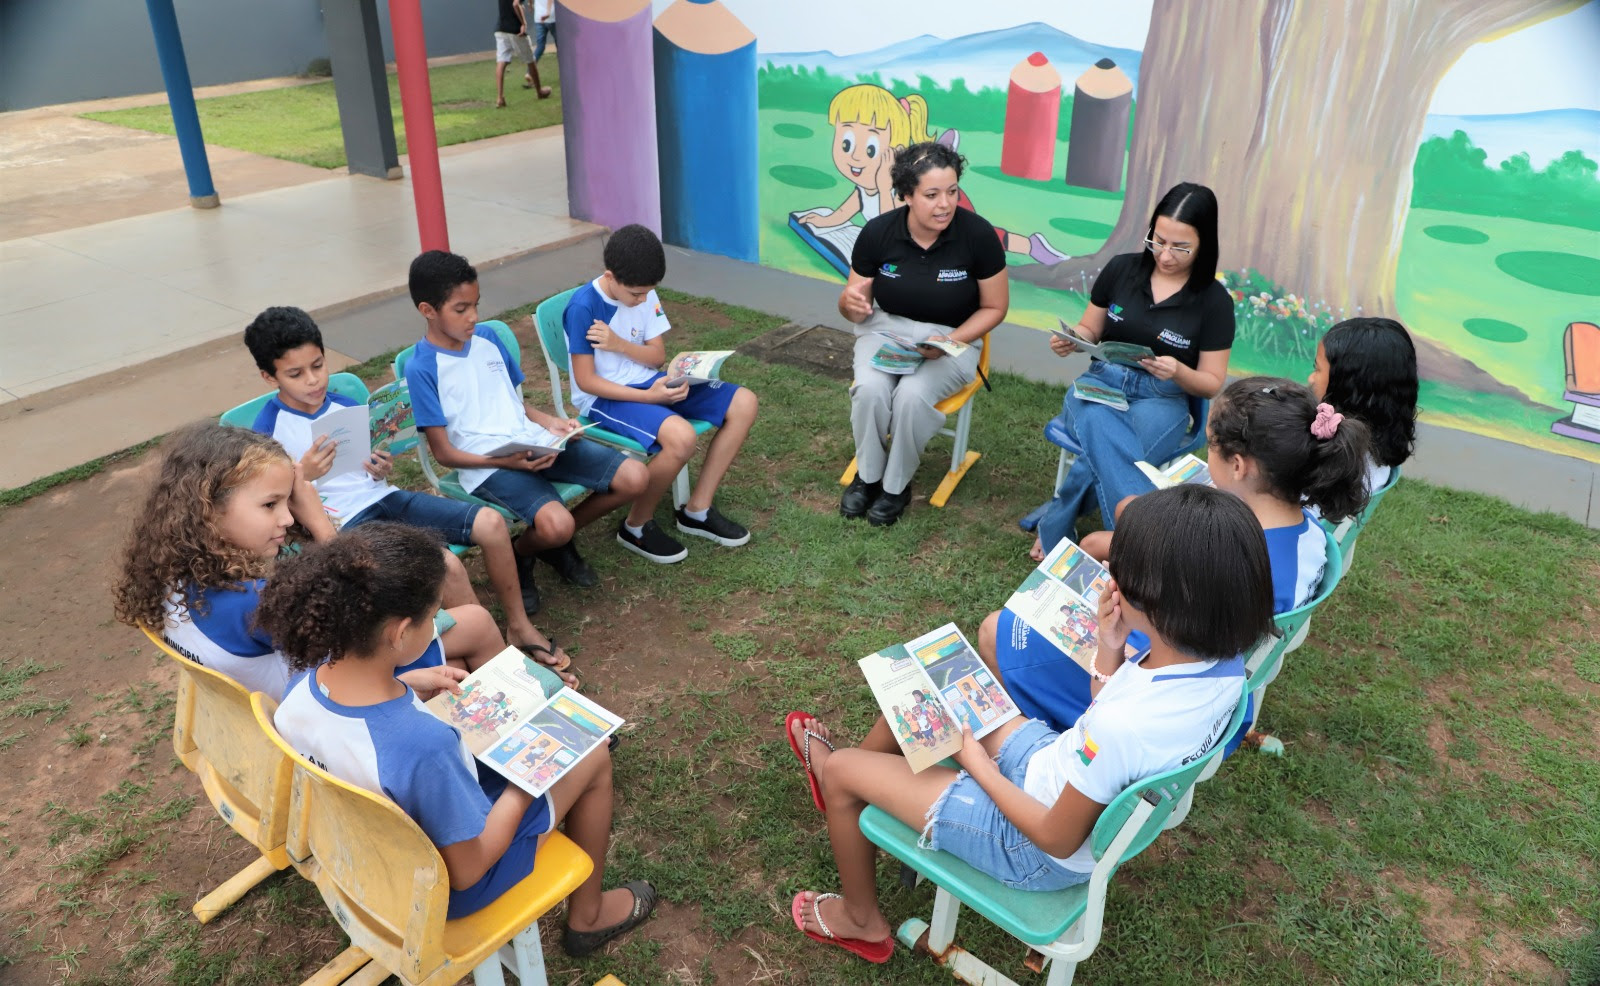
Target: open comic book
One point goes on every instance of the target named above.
(899, 355)
(1184, 469)
(1060, 600)
(1126, 353)
(510, 725)
(697, 368)
(927, 688)
(549, 444)
(394, 428)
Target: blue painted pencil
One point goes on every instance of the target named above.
(705, 68)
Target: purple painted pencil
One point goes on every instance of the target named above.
(609, 111)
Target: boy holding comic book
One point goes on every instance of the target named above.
(614, 326)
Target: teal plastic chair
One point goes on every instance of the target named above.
(344, 384)
(1347, 530)
(553, 340)
(1064, 925)
(448, 482)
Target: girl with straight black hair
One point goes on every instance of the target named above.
(1367, 368)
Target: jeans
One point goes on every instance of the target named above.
(542, 33)
(1153, 429)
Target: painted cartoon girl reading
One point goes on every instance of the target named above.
(870, 126)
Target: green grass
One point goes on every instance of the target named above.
(1432, 820)
(301, 123)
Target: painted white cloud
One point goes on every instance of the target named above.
(1554, 64)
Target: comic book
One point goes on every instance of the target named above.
(1125, 353)
(1184, 469)
(1060, 599)
(1109, 396)
(394, 428)
(929, 687)
(697, 368)
(547, 444)
(350, 429)
(512, 726)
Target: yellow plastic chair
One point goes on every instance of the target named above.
(244, 776)
(961, 457)
(387, 886)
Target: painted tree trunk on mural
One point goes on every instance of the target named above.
(1308, 134)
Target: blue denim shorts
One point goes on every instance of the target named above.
(966, 823)
(588, 464)
(642, 422)
(452, 519)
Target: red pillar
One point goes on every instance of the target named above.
(416, 104)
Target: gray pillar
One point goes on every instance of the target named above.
(355, 47)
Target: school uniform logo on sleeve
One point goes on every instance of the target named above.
(660, 313)
(951, 276)
(1090, 748)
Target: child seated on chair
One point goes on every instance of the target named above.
(349, 613)
(287, 347)
(197, 557)
(1274, 447)
(1190, 571)
(466, 399)
(1367, 369)
(614, 326)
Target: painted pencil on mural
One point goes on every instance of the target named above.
(608, 111)
(705, 71)
(1102, 103)
(1033, 109)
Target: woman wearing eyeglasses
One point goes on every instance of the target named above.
(1165, 297)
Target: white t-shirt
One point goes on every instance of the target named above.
(637, 324)
(472, 394)
(224, 637)
(1144, 722)
(543, 10)
(343, 496)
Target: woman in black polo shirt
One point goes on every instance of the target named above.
(1166, 297)
(936, 271)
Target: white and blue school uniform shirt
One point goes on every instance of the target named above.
(637, 324)
(472, 394)
(1145, 721)
(343, 496)
(1297, 555)
(215, 627)
(399, 750)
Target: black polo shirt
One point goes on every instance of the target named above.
(1183, 326)
(508, 23)
(938, 285)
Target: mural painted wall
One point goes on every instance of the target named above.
(1432, 159)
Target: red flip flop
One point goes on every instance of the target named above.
(799, 751)
(877, 952)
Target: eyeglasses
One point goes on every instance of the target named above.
(1176, 251)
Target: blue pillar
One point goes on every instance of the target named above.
(180, 98)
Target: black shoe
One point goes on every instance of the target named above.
(530, 592)
(714, 528)
(858, 496)
(652, 543)
(569, 565)
(887, 508)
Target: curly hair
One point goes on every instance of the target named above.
(1372, 375)
(276, 331)
(917, 160)
(176, 542)
(1268, 419)
(334, 598)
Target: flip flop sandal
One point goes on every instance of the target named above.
(804, 752)
(583, 943)
(877, 952)
(551, 650)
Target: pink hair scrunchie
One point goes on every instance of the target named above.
(1326, 423)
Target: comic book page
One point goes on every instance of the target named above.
(1184, 469)
(1060, 600)
(969, 689)
(394, 428)
(923, 725)
(696, 368)
(537, 751)
(493, 699)
(349, 429)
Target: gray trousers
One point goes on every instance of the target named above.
(882, 404)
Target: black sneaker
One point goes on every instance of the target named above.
(530, 592)
(569, 565)
(887, 508)
(714, 528)
(652, 543)
(858, 496)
